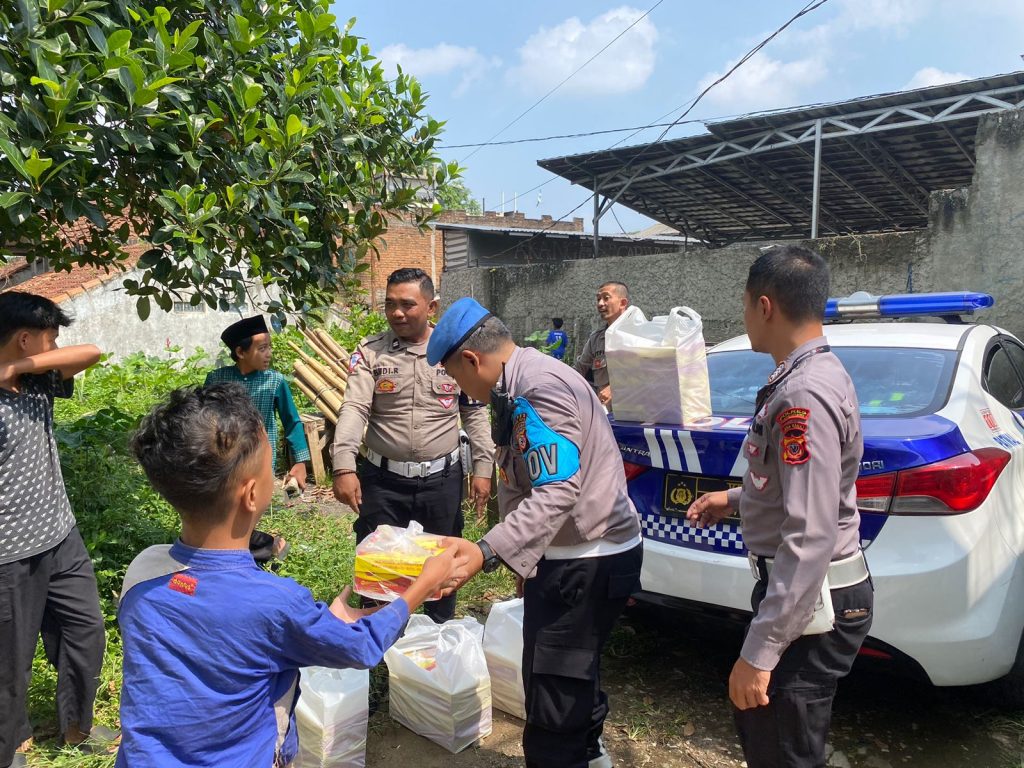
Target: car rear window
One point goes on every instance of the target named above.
(889, 381)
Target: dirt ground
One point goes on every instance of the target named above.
(666, 678)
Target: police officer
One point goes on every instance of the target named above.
(813, 597)
(410, 411)
(612, 300)
(568, 526)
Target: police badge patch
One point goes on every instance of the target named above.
(447, 401)
(385, 386)
(519, 433)
(354, 361)
(794, 423)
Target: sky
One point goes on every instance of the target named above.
(483, 63)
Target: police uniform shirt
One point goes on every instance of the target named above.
(798, 502)
(591, 360)
(212, 649)
(562, 480)
(410, 409)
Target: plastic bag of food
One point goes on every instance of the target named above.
(658, 368)
(331, 717)
(438, 681)
(503, 649)
(389, 560)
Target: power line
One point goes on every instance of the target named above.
(811, 6)
(564, 135)
(567, 79)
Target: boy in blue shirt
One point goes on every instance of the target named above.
(559, 338)
(212, 643)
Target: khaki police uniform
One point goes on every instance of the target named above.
(410, 412)
(798, 506)
(591, 361)
(570, 529)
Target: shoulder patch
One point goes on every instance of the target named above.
(354, 360)
(794, 423)
(549, 456)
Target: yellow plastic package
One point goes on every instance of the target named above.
(390, 559)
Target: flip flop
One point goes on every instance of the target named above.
(100, 740)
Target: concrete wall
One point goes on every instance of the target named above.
(106, 316)
(973, 242)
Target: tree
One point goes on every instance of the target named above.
(248, 141)
(455, 196)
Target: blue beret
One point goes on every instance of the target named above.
(455, 326)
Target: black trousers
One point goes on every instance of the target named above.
(53, 592)
(790, 732)
(435, 502)
(570, 608)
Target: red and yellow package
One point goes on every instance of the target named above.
(391, 558)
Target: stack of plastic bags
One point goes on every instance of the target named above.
(331, 717)
(658, 368)
(439, 685)
(503, 648)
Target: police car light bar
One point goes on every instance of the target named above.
(864, 305)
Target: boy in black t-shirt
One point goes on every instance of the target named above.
(46, 577)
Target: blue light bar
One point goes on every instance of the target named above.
(864, 305)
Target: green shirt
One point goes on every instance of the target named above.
(269, 392)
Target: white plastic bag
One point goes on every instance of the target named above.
(389, 560)
(331, 717)
(658, 368)
(439, 686)
(503, 648)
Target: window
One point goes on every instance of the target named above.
(889, 381)
(1001, 378)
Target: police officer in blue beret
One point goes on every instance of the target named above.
(568, 528)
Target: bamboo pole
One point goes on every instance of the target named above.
(322, 390)
(318, 346)
(329, 376)
(340, 369)
(318, 402)
(329, 342)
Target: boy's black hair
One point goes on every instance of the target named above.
(413, 275)
(793, 277)
(557, 322)
(21, 311)
(244, 345)
(194, 446)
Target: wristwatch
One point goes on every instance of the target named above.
(491, 561)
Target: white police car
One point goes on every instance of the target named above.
(941, 488)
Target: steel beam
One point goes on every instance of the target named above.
(886, 166)
(816, 185)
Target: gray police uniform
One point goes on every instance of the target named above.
(798, 506)
(569, 527)
(410, 411)
(591, 361)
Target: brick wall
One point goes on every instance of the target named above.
(405, 245)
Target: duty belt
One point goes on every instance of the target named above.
(413, 468)
(841, 573)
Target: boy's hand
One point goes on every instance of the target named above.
(346, 612)
(298, 471)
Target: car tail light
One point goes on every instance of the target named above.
(948, 487)
(633, 470)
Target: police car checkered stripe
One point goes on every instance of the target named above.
(724, 537)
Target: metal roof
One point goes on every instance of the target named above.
(558, 234)
(753, 178)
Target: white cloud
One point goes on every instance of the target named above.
(886, 15)
(764, 83)
(552, 53)
(929, 76)
(440, 60)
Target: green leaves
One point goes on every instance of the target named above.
(255, 147)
